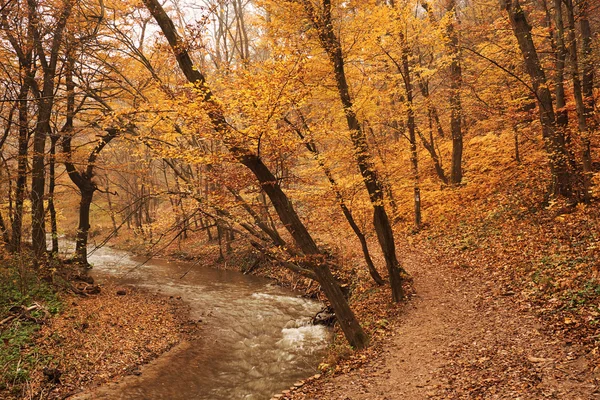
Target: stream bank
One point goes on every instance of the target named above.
(256, 337)
(99, 338)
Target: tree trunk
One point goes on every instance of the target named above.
(429, 145)
(287, 214)
(87, 194)
(110, 208)
(456, 172)
(220, 240)
(52, 185)
(4, 231)
(412, 137)
(17, 223)
(43, 128)
(312, 147)
(373, 184)
(562, 115)
(83, 180)
(587, 63)
(516, 137)
(587, 60)
(38, 230)
(434, 120)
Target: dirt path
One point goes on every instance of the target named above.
(460, 340)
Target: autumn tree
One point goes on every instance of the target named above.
(311, 255)
(320, 18)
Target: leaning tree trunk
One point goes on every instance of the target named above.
(312, 147)
(374, 185)
(434, 121)
(288, 216)
(286, 212)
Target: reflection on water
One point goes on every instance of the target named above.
(256, 338)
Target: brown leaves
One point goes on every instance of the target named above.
(104, 336)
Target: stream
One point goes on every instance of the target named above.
(255, 341)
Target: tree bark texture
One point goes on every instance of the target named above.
(412, 137)
(17, 223)
(456, 116)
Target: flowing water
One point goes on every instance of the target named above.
(255, 341)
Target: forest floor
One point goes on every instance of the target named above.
(89, 341)
(462, 338)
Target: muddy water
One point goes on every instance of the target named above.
(255, 339)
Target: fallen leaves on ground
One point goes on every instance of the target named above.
(99, 338)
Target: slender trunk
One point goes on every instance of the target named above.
(180, 214)
(352, 329)
(412, 137)
(52, 185)
(311, 146)
(17, 223)
(516, 136)
(587, 63)
(82, 179)
(43, 128)
(110, 208)
(562, 115)
(260, 221)
(429, 145)
(4, 231)
(456, 172)
(38, 179)
(220, 240)
(367, 169)
(434, 120)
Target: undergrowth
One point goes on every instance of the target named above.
(20, 288)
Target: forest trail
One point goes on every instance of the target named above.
(458, 339)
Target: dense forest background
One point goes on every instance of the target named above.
(315, 136)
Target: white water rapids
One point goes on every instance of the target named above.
(255, 341)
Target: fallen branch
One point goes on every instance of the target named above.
(84, 289)
(23, 312)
